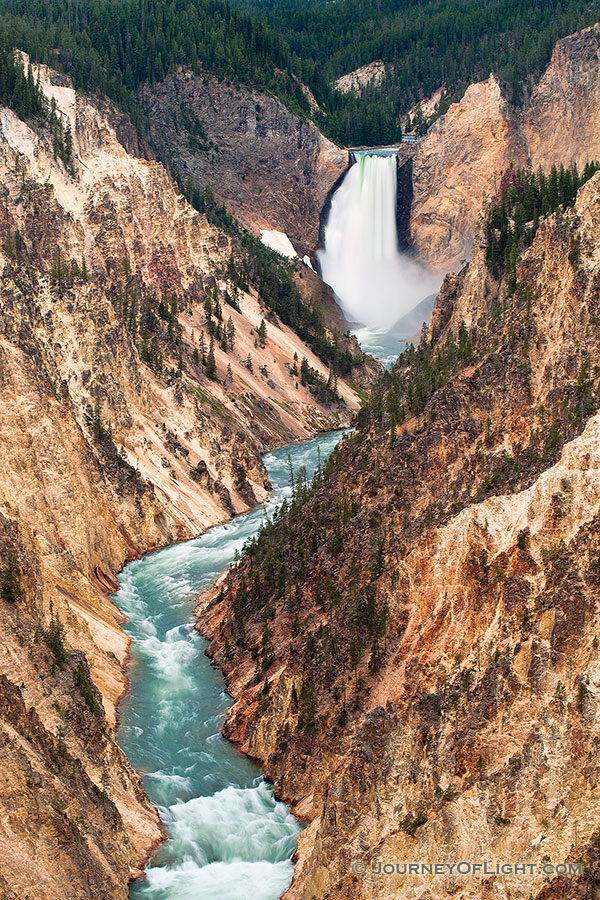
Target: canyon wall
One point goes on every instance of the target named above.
(462, 157)
(274, 171)
(116, 439)
(271, 169)
(418, 669)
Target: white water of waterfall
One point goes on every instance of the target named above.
(375, 284)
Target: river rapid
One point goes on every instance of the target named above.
(227, 836)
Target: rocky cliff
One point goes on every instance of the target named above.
(418, 664)
(274, 171)
(271, 169)
(464, 154)
(124, 426)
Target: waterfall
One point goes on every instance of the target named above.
(375, 284)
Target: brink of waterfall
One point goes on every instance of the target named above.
(376, 285)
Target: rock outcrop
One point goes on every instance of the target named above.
(271, 169)
(366, 76)
(462, 157)
(274, 171)
(560, 121)
(429, 683)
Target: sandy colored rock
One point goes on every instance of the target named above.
(462, 157)
(353, 82)
(103, 459)
(469, 731)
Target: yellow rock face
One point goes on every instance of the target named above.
(461, 159)
(72, 508)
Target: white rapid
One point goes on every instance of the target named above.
(228, 838)
(375, 284)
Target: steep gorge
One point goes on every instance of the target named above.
(418, 664)
(271, 169)
(116, 440)
(274, 170)
(421, 634)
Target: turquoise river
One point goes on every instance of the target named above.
(228, 838)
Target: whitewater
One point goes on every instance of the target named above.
(376, 285)
(227, 835)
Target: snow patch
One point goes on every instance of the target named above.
(279, 241)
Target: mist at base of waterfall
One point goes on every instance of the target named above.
(374, 283)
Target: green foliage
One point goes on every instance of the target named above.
(21, 92)
(325, 390)
(18, 89)
(524, 198)
(447, 795)
(10, 586)
(277, 560)
(427, 44)
(211, 366)
(114, 46)
(417, 375)
(85, 685)
(574, 250)
(410, 823)
(252, 265)
(102, 434)
(55, 638)
(466, 680)
(262, 334)
(230, 333)
(342, 717)
(153, 325)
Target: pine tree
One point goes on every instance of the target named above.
(304, 371)
(230, 333)
(211, 365)
(10, 587)
(262, 334)
(67, 154)
(553, 195)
